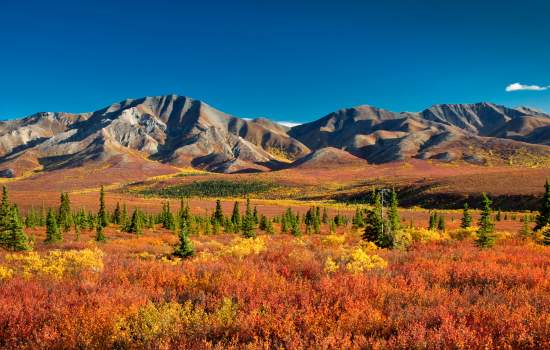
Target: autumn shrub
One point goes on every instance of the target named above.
(56, 263)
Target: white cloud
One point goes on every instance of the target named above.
(522, 87)
(289, 124)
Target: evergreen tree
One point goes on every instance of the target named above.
(498, 216)
(263, 223)
(248, 226)
(433, 221)
(16, 238)
(358, 218)
(185, 247)
(324, 218)
(393, 215)
(4, 207)
(117, 214)
(217, 216)
(543, 218)
(255, 215)
(466, 220)
(236, 215)
(376, 229)
(269, 227)
(103, 220)
(64, 215)
(441, 223)
(100, 230)
(485, 233)
(525, 231)
(123, 216)
(53, 234)
(136, 223)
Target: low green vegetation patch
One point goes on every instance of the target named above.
(212, 188)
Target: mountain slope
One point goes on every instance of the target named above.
(170, 129)
(170, 132)
(442, 132)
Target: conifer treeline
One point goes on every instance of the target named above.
(380, 223)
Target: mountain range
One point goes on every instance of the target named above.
(176, 131)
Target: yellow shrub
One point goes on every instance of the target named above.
(463, 233)
(331, 265)
(57, 263)
(368, 246)
(333, 239)
(361, 261)
(5, 272)
(358, 260)
(241, 247)
(148, 323)
(174, 261)
(227, 312)
(420, 234)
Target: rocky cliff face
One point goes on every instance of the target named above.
(179, 131)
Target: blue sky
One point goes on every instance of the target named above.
(286, 60)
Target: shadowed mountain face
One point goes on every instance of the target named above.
(179, 131)
(442, 132)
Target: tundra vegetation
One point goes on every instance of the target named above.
(128, 278)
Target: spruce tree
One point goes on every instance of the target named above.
(217, 216)
(543, 218)
(117, 214)
(525, 231)
(103, 219)
(65, 216)
(185, 247)
(17, 240)
(269, 227)
(433, 221)
(466, 220)
(485, 233)
(324, 218)
(99, 231)
(136, 223)
(4, 207)
(358, 221)
(393, 215)
(441, 223)
(53, 234)
(236, 215)
(248, 227)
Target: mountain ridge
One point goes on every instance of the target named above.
(180, 131)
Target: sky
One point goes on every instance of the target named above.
(288, 60)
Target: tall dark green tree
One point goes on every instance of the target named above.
(103, 219)
(99, 231)
(236, 215)
(485, 232)
(374, 224)
(117, 214)
(466, 220)
(136, 223)
(185, 247)
(16, 238)
(53, 234)
(543, 218)
(65, 215)
(218, 216)
(4, 209)
(358, 220)
(441, 223)
(248, 225)
(393, 215)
